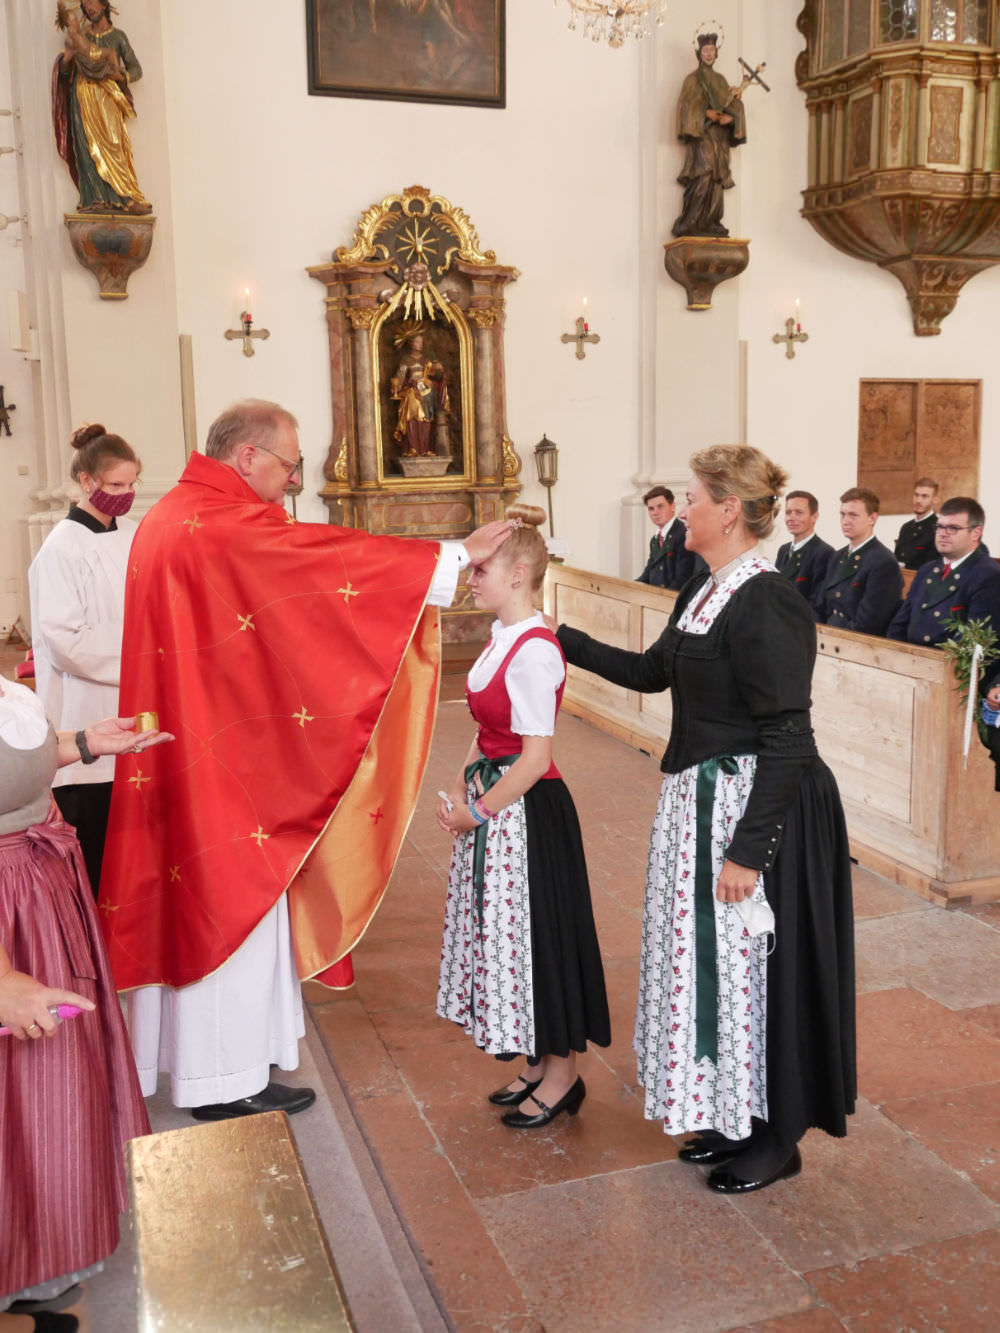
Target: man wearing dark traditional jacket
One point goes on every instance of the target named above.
(963, 583)
(670, 563)
(804, 559)
(864, 584)
(915, 543)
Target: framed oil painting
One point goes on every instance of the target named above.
(408, 50)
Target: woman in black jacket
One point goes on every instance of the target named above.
(745, 1019)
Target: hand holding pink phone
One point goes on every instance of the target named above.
(57, 1011)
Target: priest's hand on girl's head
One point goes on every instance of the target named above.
(482, 543)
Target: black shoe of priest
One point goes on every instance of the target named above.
(275, 1097)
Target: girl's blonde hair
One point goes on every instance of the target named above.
(526, 544)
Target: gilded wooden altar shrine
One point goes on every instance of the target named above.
(904, 162)
(415, 314)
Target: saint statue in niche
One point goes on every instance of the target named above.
(91, 102)
(710, 122)
(419, 387)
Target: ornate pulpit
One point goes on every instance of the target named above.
(904, 158)
(415, 313)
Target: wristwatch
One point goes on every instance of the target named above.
(81, 744)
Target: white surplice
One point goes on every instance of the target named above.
(76, 584)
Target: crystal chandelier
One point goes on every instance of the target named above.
(605, 20)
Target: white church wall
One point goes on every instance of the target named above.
(267, 180)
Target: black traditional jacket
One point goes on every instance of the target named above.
(742, 688)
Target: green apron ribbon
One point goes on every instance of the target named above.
(488, 773)
(706, 968)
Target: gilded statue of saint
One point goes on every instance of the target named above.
(91, 103)
(710, 121)
(421, 390)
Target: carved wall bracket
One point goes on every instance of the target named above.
(700, 263)
(112, 246)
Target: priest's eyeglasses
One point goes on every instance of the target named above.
(290, 467)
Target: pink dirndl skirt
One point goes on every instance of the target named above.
(67, 1104)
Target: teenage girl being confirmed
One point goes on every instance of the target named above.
(520, 964)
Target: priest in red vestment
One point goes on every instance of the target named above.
(297, 664)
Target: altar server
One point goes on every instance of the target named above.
(76, 585)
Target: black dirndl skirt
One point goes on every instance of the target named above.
(811, 1055)
(570, 1000)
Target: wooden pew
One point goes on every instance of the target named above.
(887, 721)
(227, 1237)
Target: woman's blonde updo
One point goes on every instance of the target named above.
(740, 470)
(526, 544)
(95, 449)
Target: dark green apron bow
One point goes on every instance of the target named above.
(488, 773)
(706, 968)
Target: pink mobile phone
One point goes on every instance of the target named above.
(57, 1011)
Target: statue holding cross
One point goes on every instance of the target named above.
(711, 121)
(5, 411)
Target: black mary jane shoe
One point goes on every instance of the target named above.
(505, 1097)
(571, 1103)
(711, 1150)
(724, 1180)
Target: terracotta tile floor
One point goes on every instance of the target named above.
(594, 1224)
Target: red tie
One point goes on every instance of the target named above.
(661, 536)
(947, 569)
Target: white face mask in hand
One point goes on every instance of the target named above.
(757, 916)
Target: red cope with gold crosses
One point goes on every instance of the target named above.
(297, 666)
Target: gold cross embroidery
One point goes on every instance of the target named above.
(175, 874)
(289, 518)
(193, 522)
(246, 622)
(110, 907)
(376, 815)
(302, 717)
(260, 836)
(348, 592)
(139, 779)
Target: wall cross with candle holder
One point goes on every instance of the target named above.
(794, 333)
(582, 336)
(246, 331)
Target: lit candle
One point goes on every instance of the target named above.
(798, 315)
(586, 326)
(246, 316)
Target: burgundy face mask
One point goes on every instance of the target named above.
(113, 506)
